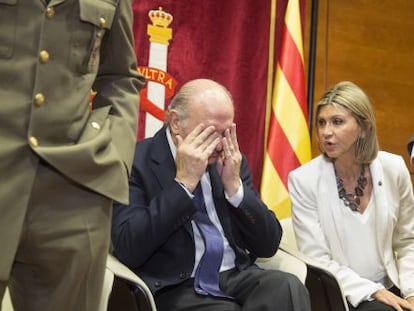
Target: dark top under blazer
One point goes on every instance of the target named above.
(153, 235)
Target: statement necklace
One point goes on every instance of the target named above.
(352, 200)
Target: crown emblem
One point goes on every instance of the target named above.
(160, 18)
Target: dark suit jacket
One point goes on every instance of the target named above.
(153, 235)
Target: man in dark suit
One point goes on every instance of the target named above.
(159, 235)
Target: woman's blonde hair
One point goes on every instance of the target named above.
(351, 97)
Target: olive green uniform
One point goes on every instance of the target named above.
(62, 161)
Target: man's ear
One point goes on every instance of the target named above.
(174, 121)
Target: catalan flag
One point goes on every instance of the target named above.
(288, 142)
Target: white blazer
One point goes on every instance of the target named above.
(318, 226)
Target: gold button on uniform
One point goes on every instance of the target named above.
(102, 22)
(95, 125)
(50, 12)
(33, 141)
(44, 56)
(39, 99)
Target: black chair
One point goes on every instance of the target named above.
(124, 290)
(325, 292)
(126, 296)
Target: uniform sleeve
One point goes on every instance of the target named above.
(117, 83)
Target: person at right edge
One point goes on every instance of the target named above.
(410, 147)
(353, 206)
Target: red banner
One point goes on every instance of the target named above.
(229, 41)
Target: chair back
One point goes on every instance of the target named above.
(324, 290)
(6, 304)
(124, 290)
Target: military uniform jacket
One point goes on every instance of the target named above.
(51, 56)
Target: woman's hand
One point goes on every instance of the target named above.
(398, 303)
(411, 301)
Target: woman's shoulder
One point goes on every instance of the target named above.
(389, 158)
(391, 164)
(312, 166)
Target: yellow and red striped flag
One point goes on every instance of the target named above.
(288, 141)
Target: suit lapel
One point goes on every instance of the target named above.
(162, 163)
(331, 213)
(216, 188)
(382, 215)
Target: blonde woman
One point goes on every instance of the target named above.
(353, 206)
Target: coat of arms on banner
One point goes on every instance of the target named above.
(160, 84)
